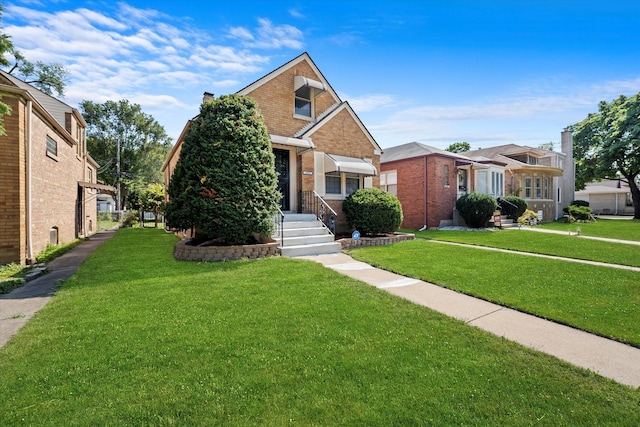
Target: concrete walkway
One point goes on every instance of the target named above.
(608, 358)
(20, 305)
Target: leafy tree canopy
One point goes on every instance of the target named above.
(607, 144)
(224, 184)
(459, 147)
(49, 78)
(547, 145)
(143, 144)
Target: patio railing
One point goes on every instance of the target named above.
(312, 203)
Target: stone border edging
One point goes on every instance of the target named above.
(186, 252)
(349, 243)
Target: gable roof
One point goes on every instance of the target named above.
(295, 61)
(326, 117)
(53, 106)
(415, 149)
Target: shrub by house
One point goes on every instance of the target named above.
(476, 209)
(373, 211)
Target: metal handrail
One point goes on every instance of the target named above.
(312, 203)
(278, 221)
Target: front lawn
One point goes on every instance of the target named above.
(602, 300)
(625, 229)
(137, 338)
(543, 243)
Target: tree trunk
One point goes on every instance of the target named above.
(635, 196)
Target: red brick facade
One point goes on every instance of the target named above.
(425, 195)
(42, 200)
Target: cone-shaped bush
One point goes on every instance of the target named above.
(224, 184)
(373, 211)
(476, 209)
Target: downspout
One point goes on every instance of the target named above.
(29, 219)
(424, 168)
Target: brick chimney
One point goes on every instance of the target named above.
(207, 97)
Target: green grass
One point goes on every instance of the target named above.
(543, 243)
(54, 251)
(627, 229)
(11, 277)
(602, 300)
(137, 338)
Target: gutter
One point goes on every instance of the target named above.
(30, 258)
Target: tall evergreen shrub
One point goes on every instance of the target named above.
(224, 184)
(512, 206)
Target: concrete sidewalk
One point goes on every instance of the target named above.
(20, 305)
(608, 358)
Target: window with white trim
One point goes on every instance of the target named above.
(538, 188)
(304, 102)
(52, 146)
(389, 182)
(341, 185)
(528, 188)
(497, 184)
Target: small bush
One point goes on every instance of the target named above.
(130, 219)
(373, 211)
(476, 209)
(579, 213)
(527, 217)
(512, 206)
(580, 203)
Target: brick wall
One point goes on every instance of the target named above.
(276, 100)
(411, 188)
(440, 199)
(54, 186)
(12, 183)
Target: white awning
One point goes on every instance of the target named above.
(85, 184)
(335, 163)
(292, 142)
(460, 162)
(301, 81)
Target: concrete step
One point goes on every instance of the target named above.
(301, 224)
(308, 240)
(299, 232)
(314, 249)
(293, 217)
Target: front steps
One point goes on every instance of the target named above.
(305, 235)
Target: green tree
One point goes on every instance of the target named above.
(49, 78)
(224, 184)
(129, 145)
(547, 145)
(459, 147)
(607, 144)
(152, 200)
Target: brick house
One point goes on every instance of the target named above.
(545, 179)
(428, 181)
(47, 181)
(320, 144)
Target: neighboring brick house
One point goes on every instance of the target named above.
(319, 142)
(545, 179)
(47, 180)
(428, 181)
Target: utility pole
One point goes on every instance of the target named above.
(118, 202)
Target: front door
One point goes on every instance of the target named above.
(282, 169)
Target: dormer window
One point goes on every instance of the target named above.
(306, 91)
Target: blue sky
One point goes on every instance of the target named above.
(437, 72)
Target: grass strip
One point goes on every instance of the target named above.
(137, 338)
(627, 229)
(542, 243)
(601, 300)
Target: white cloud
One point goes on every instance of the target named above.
(269, 36)
(371, 102)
